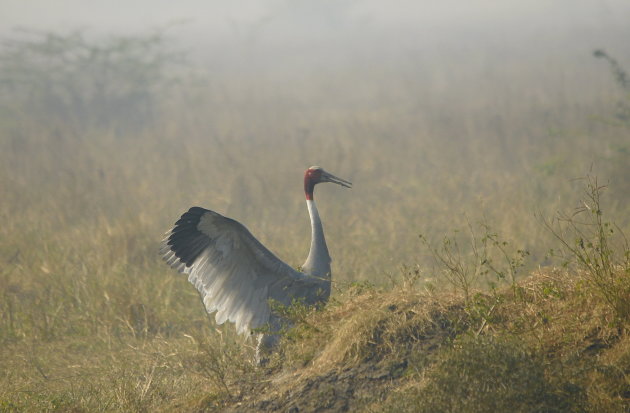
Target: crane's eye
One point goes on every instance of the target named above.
(315, 174)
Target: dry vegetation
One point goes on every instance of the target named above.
(91, 320)
(551, 348)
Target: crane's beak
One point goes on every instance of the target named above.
(326, 177)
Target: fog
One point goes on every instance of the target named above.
(339, 30)
(433, 108)
(285, 40)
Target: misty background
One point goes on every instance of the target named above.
(441, 113)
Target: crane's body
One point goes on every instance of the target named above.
(237, 276)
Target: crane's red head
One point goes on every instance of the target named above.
(315, 175)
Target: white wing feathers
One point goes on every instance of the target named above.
(235, 274)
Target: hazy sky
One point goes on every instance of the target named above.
(208, 21)
(289, 36)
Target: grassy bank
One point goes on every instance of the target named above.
(554, 346)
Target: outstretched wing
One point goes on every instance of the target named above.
(233, 271)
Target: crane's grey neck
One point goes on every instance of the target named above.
(318, 261)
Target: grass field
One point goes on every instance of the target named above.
(92, 320)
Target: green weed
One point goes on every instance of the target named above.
(597, 246)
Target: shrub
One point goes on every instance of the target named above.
(483, 257)
(85, 82)
(597, 247)
(623, 81)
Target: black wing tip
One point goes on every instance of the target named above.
(192, 216)
(185, 240)
(196, 211)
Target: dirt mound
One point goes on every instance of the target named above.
(362, 366)
(545, 343)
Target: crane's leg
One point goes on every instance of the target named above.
(266, 344)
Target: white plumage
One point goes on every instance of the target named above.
(237, 276)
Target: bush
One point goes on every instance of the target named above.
(623, 81)
(597, 247)
(483, 257)
(85, 82)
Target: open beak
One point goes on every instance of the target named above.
(326, 177)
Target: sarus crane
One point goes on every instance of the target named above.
(238, 277)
